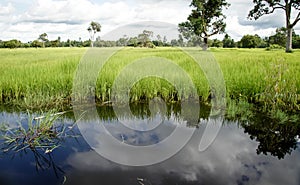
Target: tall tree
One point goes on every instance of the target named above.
(93, 29)
(206, 19)
(144, 38)
(44, 38)
(263, 7)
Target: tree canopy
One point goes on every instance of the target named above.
(205, 20)
(263, 7)
(44, 38)
(93, 29)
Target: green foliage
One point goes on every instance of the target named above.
(274, 47)
(43, 78)
(206, 19)
(252, 41)
(93, 28)
(228, 42)
(38, 78)
(44, 38)
(279, 38)
(144, 39)
(239, 110)
(36, 44)
(263, 7)
(39, 134)
(12, 44)
(281, 91)
(216, 43)
(296, 41)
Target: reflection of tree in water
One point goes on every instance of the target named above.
(275, 138)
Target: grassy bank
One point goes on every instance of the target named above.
(43, 78)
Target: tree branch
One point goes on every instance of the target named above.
(275, 8)
(279, 5)
(213, 33)
(296, 20)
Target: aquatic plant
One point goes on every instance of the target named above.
(40, 133)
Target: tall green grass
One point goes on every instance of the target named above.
(43, 78)
(37, 78)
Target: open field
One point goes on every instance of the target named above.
(43, 78)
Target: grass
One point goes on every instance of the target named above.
(39, 134)
(36, 78)
(43, 78)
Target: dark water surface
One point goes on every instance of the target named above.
(261, 152)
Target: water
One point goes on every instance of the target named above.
(261, 152)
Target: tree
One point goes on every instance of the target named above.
(36, 44)
(228, 42)
(122, 41)
(144, 39)
(133, 41)
(296, 41)
(251, 41)
(263, 7)
(185, 30)
(206, 19)
(158, 41)
(174, 42)
(1, 44)
(165, 40)
(12, 44)
(180, 40)
(158, 37)
(187, 33)
(217, 43)
(93, 29)
(279, 37)
(44, 38)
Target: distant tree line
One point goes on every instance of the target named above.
(147, 39)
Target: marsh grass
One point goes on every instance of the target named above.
(43, 78)
(36, 78)
(281, 91)
(40, 134)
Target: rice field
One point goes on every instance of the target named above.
(43, 78)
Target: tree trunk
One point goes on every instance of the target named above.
(288, 40)
(289, 27)
(205, 45)
(92, 44)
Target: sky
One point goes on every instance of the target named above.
(69, 19)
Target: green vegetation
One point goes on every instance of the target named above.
(39, 134)
(290, 7)
(43, 78)
(37, 78)
(205, 20)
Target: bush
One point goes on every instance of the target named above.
(274, 47)
(12, 44)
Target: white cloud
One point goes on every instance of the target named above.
(70, 18)
(6, 9)
(231, 157)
